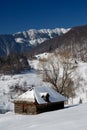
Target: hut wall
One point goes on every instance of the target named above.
(33, 108)
(49, 107)
(25, 108)
(18, 108)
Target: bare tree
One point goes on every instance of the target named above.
(58, 71)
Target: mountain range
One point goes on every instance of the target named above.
(74, 42)
(23, 41)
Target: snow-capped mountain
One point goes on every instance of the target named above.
(34, 37)
(24, 41)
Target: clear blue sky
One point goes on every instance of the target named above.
(20, 15)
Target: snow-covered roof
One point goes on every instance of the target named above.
(36, 93)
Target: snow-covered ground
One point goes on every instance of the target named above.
(32, 78)
(72, 118)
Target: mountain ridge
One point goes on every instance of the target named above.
(74, 41)
(22, 42)
(34, 37)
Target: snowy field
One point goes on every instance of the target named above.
(29, 78)
(72, 118)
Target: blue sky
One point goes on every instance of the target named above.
(20, 15)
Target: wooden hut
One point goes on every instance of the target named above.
(37, 100)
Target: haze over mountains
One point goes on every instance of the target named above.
(24, 41)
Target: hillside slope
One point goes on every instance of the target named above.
(74, 41)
